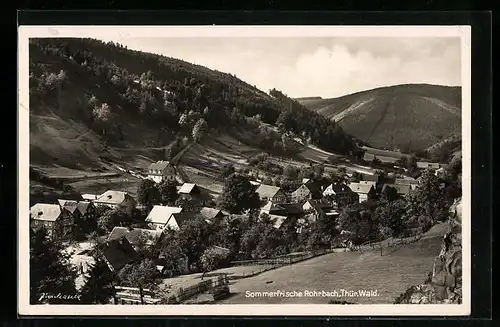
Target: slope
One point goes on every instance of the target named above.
(408, 117)
(100, 114)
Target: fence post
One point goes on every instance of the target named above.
(141, 293)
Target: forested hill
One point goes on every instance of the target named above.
(123, 95)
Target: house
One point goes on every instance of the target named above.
(309, 190)
(90, 197)
(189, 189)
(177, 220)
(277, 220)
(401, 189)
(364, 192)
(118, 252)
(428, 165)
(160, 215)
(161, 170)
(314, 209)
(57, 221)
(406, 181)
(370, 177)
(211, 214)
(77, 208)
(271, 193)
(137, 237)
(115, 199)
(372, 183)
(439, 172)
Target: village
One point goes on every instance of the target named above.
(124, 244)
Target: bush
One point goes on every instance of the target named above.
(214, 258)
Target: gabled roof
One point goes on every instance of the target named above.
(267, 191)
(305, 180)
(368, 183)
(46, 212)
(182, 217)
(70, 205)
(360, 188)
(400, 188)
(90, 196)
(210, 213)
(314, 204)
(112, 197)
(277, 220)
(133, 235)
(83, 206)
(161, 214)
(187, 188)
(159, 165)
(270, 206)
(119, 252)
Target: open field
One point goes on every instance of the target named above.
(390, 274)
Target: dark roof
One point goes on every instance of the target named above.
(69, 205)
(83, 206)
(314, 187)
(119, 252)
(133, 235)
(400, 188)
(370, 178)
(160, 165)
(315, 204)
(182, 217)
(287, 209)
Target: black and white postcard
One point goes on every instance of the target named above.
(267, 170)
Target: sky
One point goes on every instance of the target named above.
(327, 66)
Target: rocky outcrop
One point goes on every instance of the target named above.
(444, 284)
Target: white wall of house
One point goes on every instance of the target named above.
(301, 193)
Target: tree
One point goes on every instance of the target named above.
(170, 253)
(168, 192)
(290, 172)
(238, 194)
(199, 129)
(50, 271)
(99, 287)
(227, 171)
(194, 237)
(391, 215)
(148, 194)
(142, 275)
(112, 218)
(214, 258)
(389, 193)
(428, 199)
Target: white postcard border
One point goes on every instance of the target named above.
(118, 32)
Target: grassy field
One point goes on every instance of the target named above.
(390, 274)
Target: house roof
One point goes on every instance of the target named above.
(220, 249)
(305, 180)
(182, 217)
(70, 205)
(332, 213)
(277, 220)
(83, 206)
(425, 164)
(133, 235)
(90, 196)
(267, 191)
(368, 177)
(119, 252)
(400, 188)
(159, 165)
(187, 188)
(360, 188)
(44, 211)
(368, 183)
(112, 197)
(405, 181)
(161, 214)
(313, 187)
(209, 213)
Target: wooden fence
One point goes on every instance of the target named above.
(134, 295)
(184, 294)
(283, 260)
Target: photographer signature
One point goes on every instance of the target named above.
(59, 296)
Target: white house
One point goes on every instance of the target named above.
(159, 216)
(363, 191)
(115, 199)
(158, 171)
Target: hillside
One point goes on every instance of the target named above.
(98, 109)
(408, 118)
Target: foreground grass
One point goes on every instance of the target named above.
(389, 274)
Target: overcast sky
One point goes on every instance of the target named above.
(326, 67)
